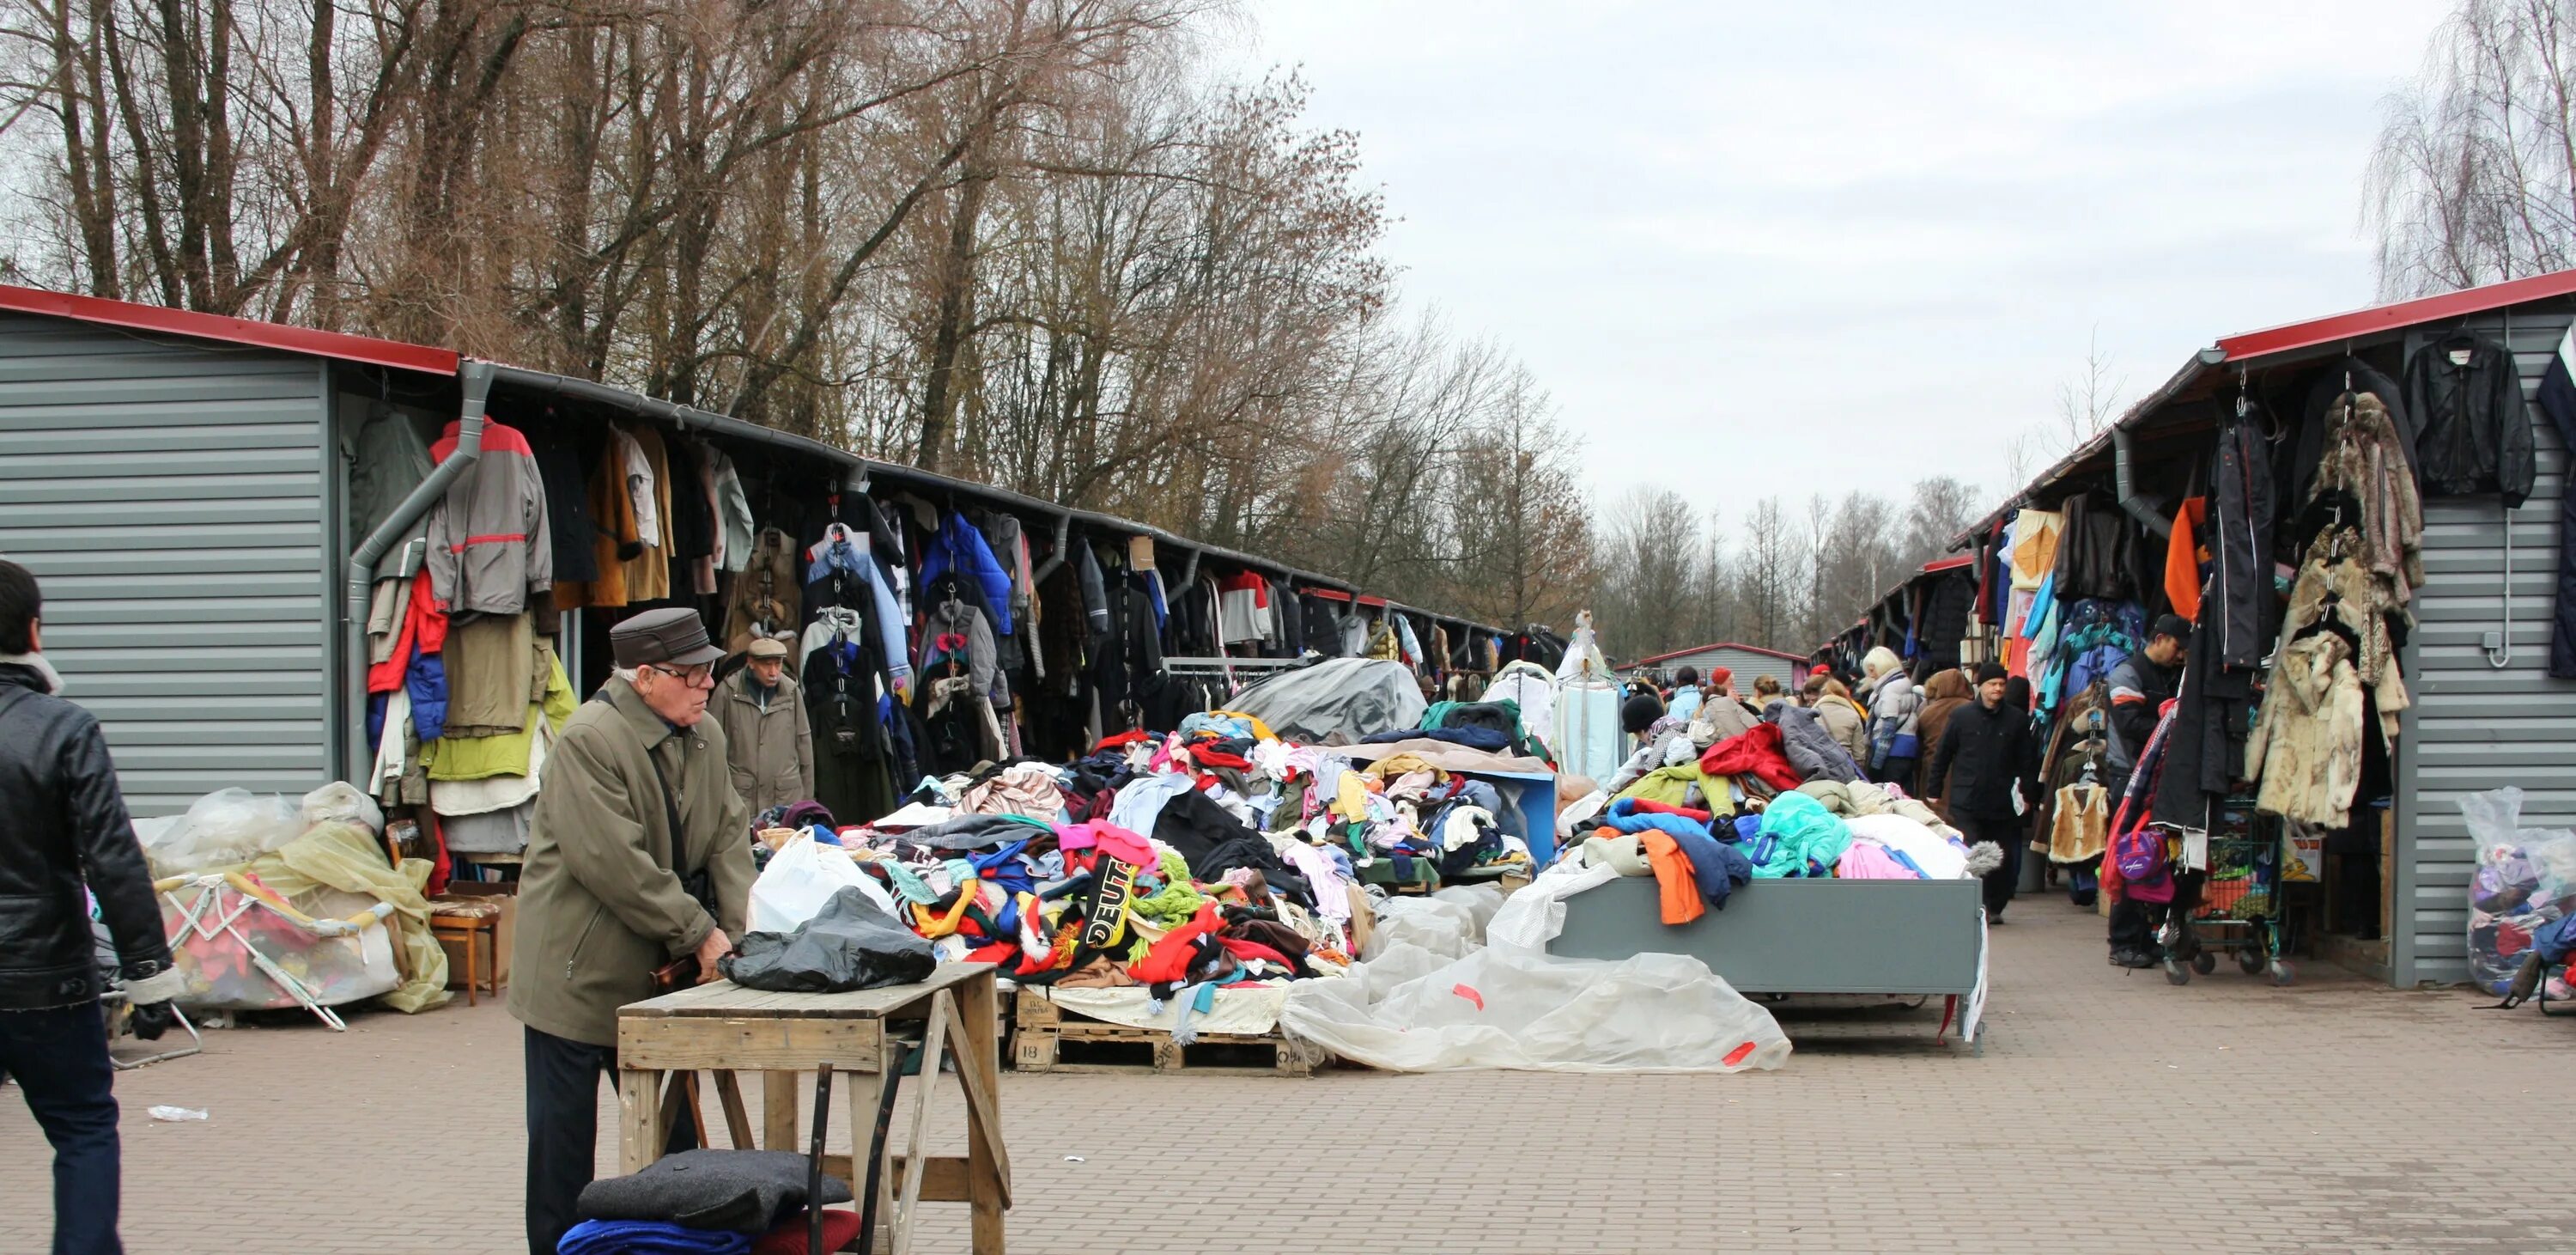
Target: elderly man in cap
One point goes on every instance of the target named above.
(768, 737)
(639, 856)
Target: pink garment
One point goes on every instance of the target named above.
(1114, 841)
(1866, 861)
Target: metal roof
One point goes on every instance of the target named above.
(365, 350)
(2211, 365)
(335, 345)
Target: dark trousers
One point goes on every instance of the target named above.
(59, 1059)
(2007, 834)
(1897, 771)
(563, 1130)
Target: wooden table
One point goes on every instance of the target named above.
(724, 1028)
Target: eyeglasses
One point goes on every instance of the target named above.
(694, 677)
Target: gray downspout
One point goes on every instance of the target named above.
(1055, 559)
(2125, 477)
(476, 379)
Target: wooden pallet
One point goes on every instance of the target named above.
(1044, 1030)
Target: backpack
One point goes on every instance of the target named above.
(2138, 855)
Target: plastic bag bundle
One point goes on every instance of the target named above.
(225, 828)
(2525, 882)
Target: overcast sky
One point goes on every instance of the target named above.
(1775, 245)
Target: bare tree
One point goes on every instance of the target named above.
(2087, 403)
(1940, 509)
(2473, 179)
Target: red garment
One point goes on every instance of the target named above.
(1675, 883)
(1652, 806)
(1245, 949)
(1754, 752)
(2182, 558)
(840, 1228)
(1169, 959)
(1219, 758)
(1247, 582)
(424, 625)
(998, 952)
(1123, 738)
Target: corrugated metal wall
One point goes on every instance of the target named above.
(2476, 726)
(170, 496)
(1743, 662)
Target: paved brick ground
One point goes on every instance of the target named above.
(2111, 1112)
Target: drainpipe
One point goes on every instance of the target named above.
(1055, 559)
(2125, 477)
(476, 378)
(1190, 569)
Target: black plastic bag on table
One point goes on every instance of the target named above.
(849, 945)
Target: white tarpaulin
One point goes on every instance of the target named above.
(1249, 1011)
(1429, 999)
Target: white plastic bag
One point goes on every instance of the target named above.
(340, 802)
(225, 828)
(1444, 928)
(801, 878)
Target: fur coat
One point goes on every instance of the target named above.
(2306, 746)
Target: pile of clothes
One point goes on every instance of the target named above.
(1219, 855)
(1720, 834)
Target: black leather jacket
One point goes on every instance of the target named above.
(64, 824)
(2473, 430)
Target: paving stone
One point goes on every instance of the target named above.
(2111, 1112)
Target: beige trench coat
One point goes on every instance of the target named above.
(771, 751)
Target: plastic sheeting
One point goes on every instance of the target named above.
(334, 871)
(1430, 999)
(1586, 734)
(2525, 882)
(1336, 701)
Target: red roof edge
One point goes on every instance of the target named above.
(1947, 564)
(2397, 316)
(1750, 649)
(336, 345)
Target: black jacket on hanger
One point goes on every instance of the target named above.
(2473, 432)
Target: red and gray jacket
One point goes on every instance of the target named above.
(489, 550)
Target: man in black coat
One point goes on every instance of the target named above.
(1986, 762)
(65, 826)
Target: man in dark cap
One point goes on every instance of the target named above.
(2140, 686)
(639, 855)
(1985, 769)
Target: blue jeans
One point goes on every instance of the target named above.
(59, 1059)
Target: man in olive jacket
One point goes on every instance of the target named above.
(768, 735)
(607, 895)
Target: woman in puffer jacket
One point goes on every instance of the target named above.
(1894, 707)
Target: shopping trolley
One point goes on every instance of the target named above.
(2237, 910)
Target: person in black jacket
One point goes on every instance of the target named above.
(66, 828)
(1986, 763)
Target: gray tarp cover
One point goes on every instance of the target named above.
(1336, 700)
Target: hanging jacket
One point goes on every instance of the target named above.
(1095, 592)
(490, 547)
(733, 510)
(2473, 434)
(2558, 400)
(768, 593)
(954, 632)
(2090, 559)
(839, 571)
(2363, 457)
(2297, 476)
(2306, 747)
(959, 547)
(2240, 545)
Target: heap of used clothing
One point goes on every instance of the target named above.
(1849, 829)
(1217, 856)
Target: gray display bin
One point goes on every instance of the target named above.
(1800, 936)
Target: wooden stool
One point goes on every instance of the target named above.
(478, 933)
